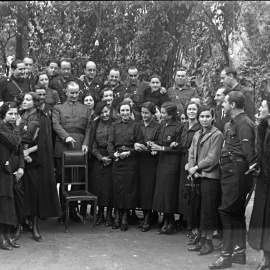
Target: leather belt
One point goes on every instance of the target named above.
(75, 130)
(230, 159)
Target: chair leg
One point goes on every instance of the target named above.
(67, 216)
(95, 213)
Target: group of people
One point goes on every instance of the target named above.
(163, 151)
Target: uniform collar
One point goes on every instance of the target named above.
(238, 117)
(72, 103)
(125, 122)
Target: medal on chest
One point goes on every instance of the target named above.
(169, 138)
(25, 128)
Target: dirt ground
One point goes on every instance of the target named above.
(107, 249)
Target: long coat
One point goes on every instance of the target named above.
(259, 228)
(168, 169)
(186, 140)
(9, 143)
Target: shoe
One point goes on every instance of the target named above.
(109, 222)
(239, 258)
(116, 225)
(100, 220)
(263, 267)
(145, 227)
(74, 217)
(206, 248)
(197, 247)
(162, 230)
(5, 245)
(17, 233)
(124, 227)
(37, 237)
(195, 240)
(221, 263)
(13, 243)
(139, 226)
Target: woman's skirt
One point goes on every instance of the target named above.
(7, 211)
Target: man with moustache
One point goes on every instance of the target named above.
(16, 84)
(229, 79)
(29, 64)
(91, 84)
(181, 93)
(59, 83)
(71, 122)
(116, 86)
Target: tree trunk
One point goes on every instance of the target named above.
(19, 37)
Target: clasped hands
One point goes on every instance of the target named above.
(121, 155)
(106, 161)
(27, 158)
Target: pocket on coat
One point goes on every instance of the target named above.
(83, 121)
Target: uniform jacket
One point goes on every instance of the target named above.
(59, 84)
(208, 155)
(94, 88)
(156, 97)
(11, 87)
(181, 96)
(150, 132)
(71, 119)
(9, 141)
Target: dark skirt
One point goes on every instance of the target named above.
(101, 182)
(182, 199)
(210, 192)
(30, 181)
(167, 183)
(147, 179)
(8, 214)
(265, 244)
(125, 183)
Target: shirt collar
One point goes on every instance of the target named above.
(238, 117)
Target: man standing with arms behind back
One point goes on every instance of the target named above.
(238, 156)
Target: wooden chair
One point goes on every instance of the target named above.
(74, 160)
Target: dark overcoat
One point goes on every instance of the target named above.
(259, 228)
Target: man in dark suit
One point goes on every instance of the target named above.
(221, 117)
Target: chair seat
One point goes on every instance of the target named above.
(79, 195)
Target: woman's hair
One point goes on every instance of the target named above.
(124, 103)
(191, 103)
(5, 108)
(155, 76)
(150, 106)
(170, 108)
(35, 97)
(205, 108)
(39, 74)
(19, 99)
(88, 95)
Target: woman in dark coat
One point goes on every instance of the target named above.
(147, 161)
(203, 163)
(12, 164)
(101, 180)
(259, 228)
(39, 180)
(125, 132)
(168, 169)
(190, 127)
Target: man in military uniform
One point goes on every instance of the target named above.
(71, 122)
(59, 82)
(181, 93)
(238, 159)
(229, 79)
(117, 86)
(135, 87)
(91, 84)
(30, 78)
(11, 87)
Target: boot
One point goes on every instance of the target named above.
(207, 247)
(239, 253)
(198, 246)
(224, 261)
(73, 214)
(196, 239)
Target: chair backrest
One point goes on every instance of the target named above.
(74, 169)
